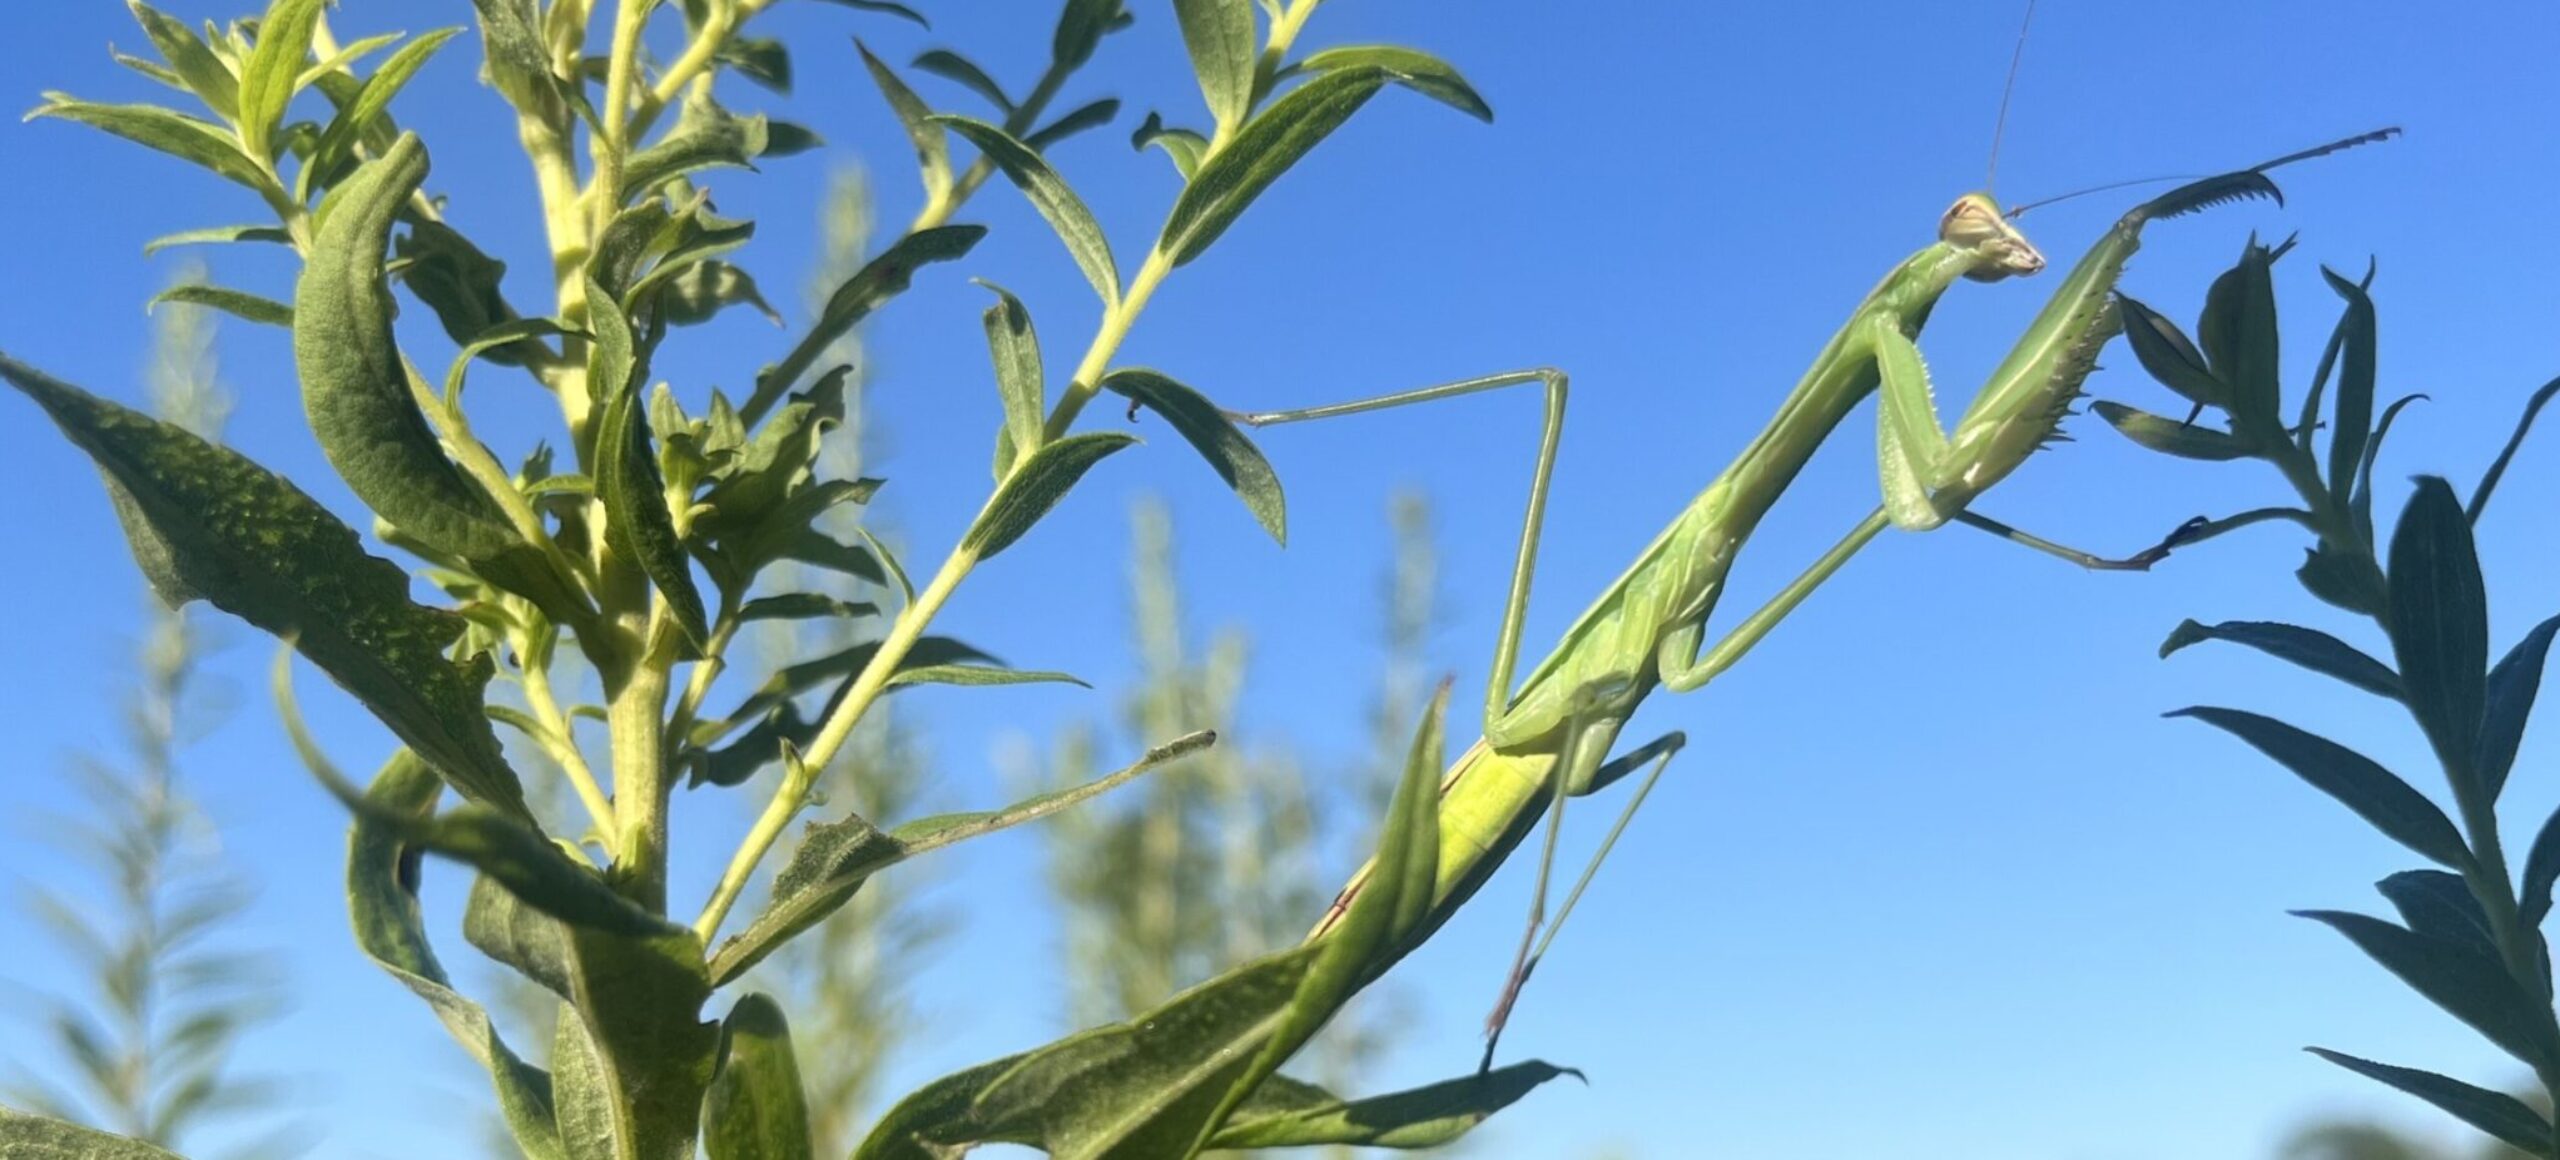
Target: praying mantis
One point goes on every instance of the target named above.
(1548, 740)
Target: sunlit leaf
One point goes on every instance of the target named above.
(191, 60)
(267, 81)
(1037, 483)
(952, 66)
(1219, 34)
(2171, 437)
(1268, 145)
(1066, 213)
(1414, 69)
(933, 149)
(236, 303)
(1287, 1114)
(1233, 456)
(756, 1108)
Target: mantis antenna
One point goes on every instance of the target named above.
(2000, 122)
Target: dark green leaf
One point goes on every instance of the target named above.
(920, 1126)
(2238, 333)
(216, 235)
(2496, 1113)
(1066, 213)
(705, 135)
(879, 280)
(884, 6)
(203, 73)
(456, 281)
(2439, 626)
(980, 675)
(2166, 353)
(814, 547)
(1258, 154)
(2506, 454)
(357, 117)
(267, 80)
(1038, 482)
(37, 1138)
(1229, 452)
(760, 59)
(2341, 578)
(517, 935)
(835, 858)
(2171, 437)
(756, 1108)
(1090, 115)
(638, 526)
(789, 139)
(238, 304)
(175, 134)
(581, 1091)
(2513, 685)
(1414, 69)
(1080, 30)
(519, 62)
(1219, 34)
(2541, 869)
(1286, 1114)
(2308, 647)
(2354, 415)
(952, 66)
(382, 900)
(206, 522)
(1020, 381)
(2374, 793)
(933, 149)
(1185, 147)
(801, 606)
(2361, 503)
(2469, 984)
(517, 337)
(355, 385)
(2439, 903)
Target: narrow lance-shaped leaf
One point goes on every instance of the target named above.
(1090, 115)
(2541, 869)
(2439, 626)
(2512, 688)
(2238, 333)
(1080, 30)
(172, 133)
(933, 150)
(1286, 1114)
(2165, 352)
(2498, 467)
(1258, 154)
(188, 56)
(952, 66)
(355, 385)
(1233, 456)
(2374, 793)
(1219, 35)
(374, 99)
(900, 11)
(215, 235)
(39, 1138)
(207, 523)
(1066, 213)
(1019, 377)
(267, 80)
(2360, 504)
(2171, 437)
(236, 303)
(638, 526)
(2468, 983)
(879, 280)
(1414, 69)
(705, 135)
(2500, 1115)
(756, 1108)
(2353, 422)
(2309, 647)
(2440, 903)
(1038, 482)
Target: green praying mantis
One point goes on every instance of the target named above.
(1549, 740)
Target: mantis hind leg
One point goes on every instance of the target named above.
(1516, 606)
(1595, 775)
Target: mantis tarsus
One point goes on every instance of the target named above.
(1648, 629)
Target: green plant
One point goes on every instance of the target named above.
(2470, 937)
(637, 544)
(152, 1049)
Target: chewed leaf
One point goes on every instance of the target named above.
(1414, 69)
(1050, 195)
(1035, 485)
(1217, 438)
(207, 522)
(1275, 139)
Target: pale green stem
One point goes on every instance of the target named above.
(563, 746)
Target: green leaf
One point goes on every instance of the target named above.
(705, 135)
(216, 235)
(1219, 34)
(581, 1091)
(359, 116)
(238, 304)
(2439, 623)
(884, 6)
(457, 281)
(933, 149)
(835, 858)
(1259, 153)
(1414, 69)
(2402, 814)
(2541, 869)
(1039, 480)
(918, 1127)
(760, 59)
(2165, 352)
(2496, 1113)
(1080, 30)
(1185, 147)
(2171, 437)
(208, 523)
(638, 526)
(2238, 333)
(38, 1138)
(520, 335)
(176, 134)
(2439, 903)
(2341, 578)
(1066, 213)
(2361, 503)
(879, 280)
(980, 676)
(2354, 415)
(2468, 984)
(1020, 381)
(952, 66)
(519, 63)
(266, 82)
(191, 59)
(355, 384)
(1229, 452)
(756, 1108)
(382, 901)
(801, 606)
(518, 936)
(341, 64)
(2308, 647)
(1288, 1114)
(2512, 687)
(1090, 115)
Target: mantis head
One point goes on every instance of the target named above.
(1974, 226)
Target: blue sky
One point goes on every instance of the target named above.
(1935, 879)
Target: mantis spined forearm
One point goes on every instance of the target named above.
(1648, 629)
